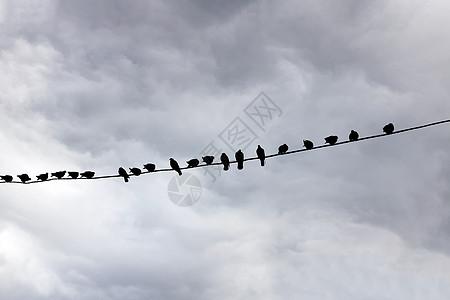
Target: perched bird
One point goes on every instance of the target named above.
(88, 174)
(42, 177)
(353, 136)
(240, 159)
(124, 174)
(73, 175)
(193, 163)
(261, 155)
(174, 165)
(283, 149)
(150, 167)
(332, 139)
(7, 178)
(308, 144)
(59, 174)
(135, 171)
(389, 128)
(225, 161)
(208, 159)
(24, 178)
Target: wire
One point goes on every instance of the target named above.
(246, 159)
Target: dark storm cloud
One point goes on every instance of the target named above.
(100, 64)
(107, 83)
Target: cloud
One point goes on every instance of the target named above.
(107, 84)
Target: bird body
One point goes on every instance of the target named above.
(225, 161)
(283, 149)
(174, 165)
(261, 155)
(24, 178)
(308, 144)
(59, 174)
(208, 159)
(332, 139)
(135, 171)
(88, 174)
(124, 174)
(7, 178)
(150, 167)
(42, 177)
(239, 155)
(193, 163)
(389, 128)
(74, 175)
(353, 136)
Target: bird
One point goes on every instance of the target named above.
(174, 165)
(88, 174)
(239, 155)
(308, 144)
(59, 174)
(7, 178)
(353, 136)
(283, 149)
(261, 155)
(208, 159)
(225, 161)
(24, 178)
(193, 163)
(332, 139)
(73, 175)
(42, 177)
(135, 171)
(389, 128)
(124, 174)
(150, 167)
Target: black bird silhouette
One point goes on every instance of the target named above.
(135, 171)
(59, 174)
(124, 174)
(7, 178)
(283, 149)
(42, 177)
(174, 165)
(308, 144)
(88, 174)
(150, 167)
(193, 163)
(239, 155)
(353, 136)
(225, 161)
(73, 175)
(389, 128)
(261, 155)
(332, 139)
(208, 159)
(24, 178)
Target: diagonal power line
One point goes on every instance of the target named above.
(250, 158)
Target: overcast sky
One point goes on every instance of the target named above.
(94, 85)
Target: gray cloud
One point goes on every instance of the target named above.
(105, 84)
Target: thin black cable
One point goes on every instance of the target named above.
(246, 159)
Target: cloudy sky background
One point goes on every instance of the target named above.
(94, 85)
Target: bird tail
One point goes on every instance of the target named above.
(262, 162)
(240, 165)
(179, 172)
(125, 179)
(226, 167)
